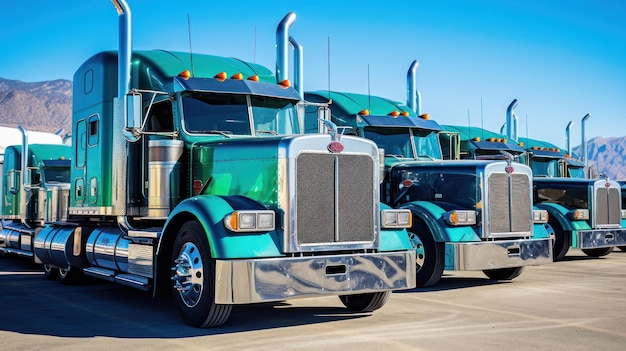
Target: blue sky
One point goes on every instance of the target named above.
(560, 59)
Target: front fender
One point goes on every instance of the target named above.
(209, 211)
(432, 214)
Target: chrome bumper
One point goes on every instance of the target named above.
(588, 239)
(275, 279)
(477, 256)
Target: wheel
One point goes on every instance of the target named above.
(561, 243)
(429, 255)
(365, 302)
(71, 276)
(50, 272)
(193, 279)
(503, 273)
(599, 252)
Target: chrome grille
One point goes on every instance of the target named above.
(607, 211)
(335, 198)
(509, 207)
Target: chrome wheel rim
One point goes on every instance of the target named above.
(188, 274)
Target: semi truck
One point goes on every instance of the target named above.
(13, 136)
(187, 175)
(584, 213)
(467, 215)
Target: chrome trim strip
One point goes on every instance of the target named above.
(275, 279)
(476, 256)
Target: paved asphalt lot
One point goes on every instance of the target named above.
(576, 304)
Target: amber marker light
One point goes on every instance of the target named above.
(254, 78)
(365, 112)
(404, 113)
(237, 76)
(186, 74)
(476, 139)
(394, 114)
(285, 83)
(221, 76)
(425, 116)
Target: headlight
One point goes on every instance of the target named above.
(460, 217)
(250, 221)
(396, 218)
(579, 214)
(540, 216)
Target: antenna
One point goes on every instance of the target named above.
(190, 50)
(481, 118)
(469, 125)
(329, 67)
(369, 95)
(254, 44)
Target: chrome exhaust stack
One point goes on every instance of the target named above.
(125, 48)
(583, 140)
(413, 96)
(25, 179)
(511, 121)
(282, 46)
(568, 130)
(298, 74)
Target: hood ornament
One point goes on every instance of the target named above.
(335, 145)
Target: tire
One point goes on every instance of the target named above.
(71, 276)
(503, 273)
(51, 273)
(365, 302)
(193, 277)
(429, 255)
(599, 252)
(561, 243)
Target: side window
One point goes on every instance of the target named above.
(94, 130)
(161, 119)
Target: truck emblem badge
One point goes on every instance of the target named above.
(509, 169)
(607, 185)
(335, 145)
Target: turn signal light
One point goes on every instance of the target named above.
(460, 217)
(579, 214)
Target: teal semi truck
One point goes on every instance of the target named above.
(584, 213)
(467, 215)
(200, 185)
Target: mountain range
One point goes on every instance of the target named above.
(47, 107)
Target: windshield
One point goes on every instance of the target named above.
(441, 186)
(545, 167)
(405, 142)
(576, 172)
(211, 113)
